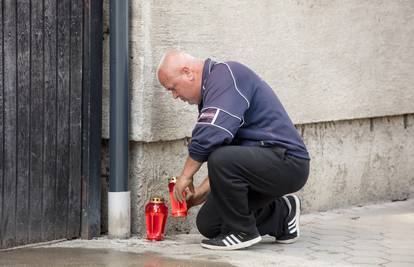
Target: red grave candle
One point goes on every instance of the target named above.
(178, 209)
(156, 213)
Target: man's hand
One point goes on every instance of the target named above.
(200, 194)
(196, 198)
(186, 178)
(181, 184)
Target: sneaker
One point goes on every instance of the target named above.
(231, 241)
(291, 229)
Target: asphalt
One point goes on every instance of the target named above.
(373, 235)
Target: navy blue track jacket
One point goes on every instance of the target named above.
(239, 108)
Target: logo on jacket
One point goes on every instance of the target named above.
(207, 115)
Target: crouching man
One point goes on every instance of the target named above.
(254, 154)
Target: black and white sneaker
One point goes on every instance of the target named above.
(291, 230)
(231, 241)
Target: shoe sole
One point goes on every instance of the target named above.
(287, 241)
(234, 247)
(297, 218)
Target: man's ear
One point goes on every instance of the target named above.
(187, 71)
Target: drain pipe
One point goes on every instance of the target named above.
(119, 203)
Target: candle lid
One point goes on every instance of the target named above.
(172, 179)
(157, 199)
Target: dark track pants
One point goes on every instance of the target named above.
(247, 184)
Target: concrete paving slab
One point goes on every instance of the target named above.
(366, 241)
(399, 264)
(367, 260)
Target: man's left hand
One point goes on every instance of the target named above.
(180, 186)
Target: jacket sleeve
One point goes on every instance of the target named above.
(222, 114)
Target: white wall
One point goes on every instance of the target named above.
(326, 60)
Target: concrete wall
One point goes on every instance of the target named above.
(353, 162)
(343, 69)
(359, 161)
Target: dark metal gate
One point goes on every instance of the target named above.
(50, 90)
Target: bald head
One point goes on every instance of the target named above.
(173, 62)
(181, 74)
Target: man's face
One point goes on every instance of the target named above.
(182, 85)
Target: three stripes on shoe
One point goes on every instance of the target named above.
(292, 226)
(231, 240)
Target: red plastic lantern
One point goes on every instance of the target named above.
(178, 209)
(156, 213)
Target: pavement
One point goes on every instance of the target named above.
(372, 235)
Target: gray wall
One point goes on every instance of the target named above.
(343, 69)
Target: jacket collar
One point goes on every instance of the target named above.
(208, 66)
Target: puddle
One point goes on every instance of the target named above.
(93, 257)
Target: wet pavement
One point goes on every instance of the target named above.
(92, 258)
(373, 235)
